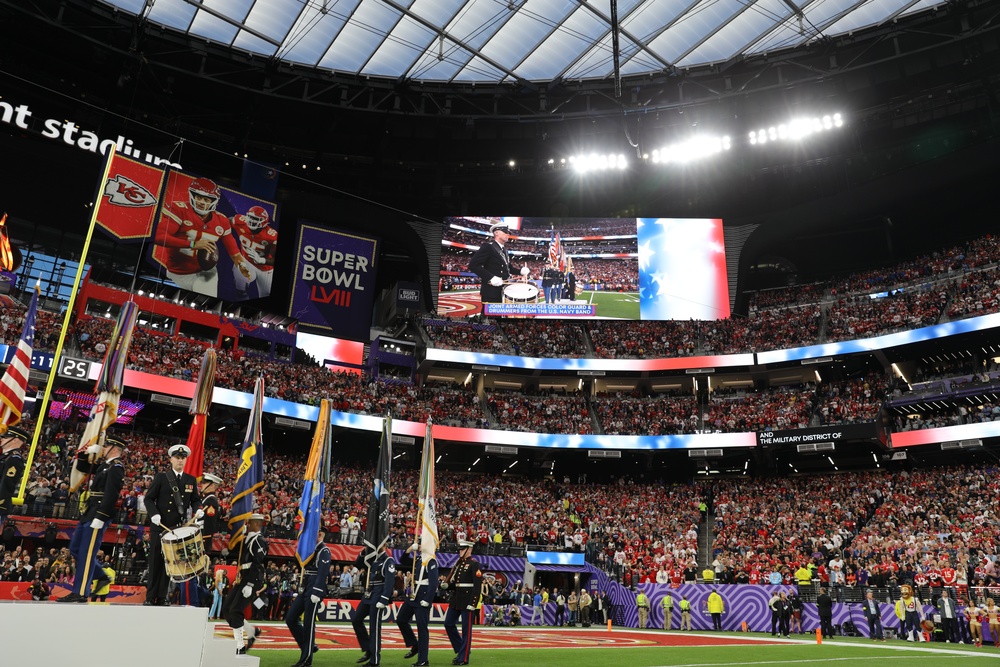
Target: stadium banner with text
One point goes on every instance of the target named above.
(605, 268)
(334, 285)
(806, 436)
(129, 198)
(213, 240)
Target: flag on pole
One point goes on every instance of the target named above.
(109, 385)
(555, 249)
(250, 475)
(427, 529)
(377, 526)
(14, 382)
(200, 402)
(316, 477)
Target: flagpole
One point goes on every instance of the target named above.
(53, 371)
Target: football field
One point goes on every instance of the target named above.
(621, 647)
(613, 305)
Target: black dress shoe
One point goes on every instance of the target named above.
(409, 654)
(241, 651)
(365, 658)
(421, 664)
(148, 603)
(72, 597)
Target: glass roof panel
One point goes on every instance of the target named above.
(363, 34)
(690, 29)
(172, 13)
(393, 58)
(744, 29)
(310, 36)
(212, 27)
(557, 52)
(543, 39)
(522, 33)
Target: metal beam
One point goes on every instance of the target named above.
(231, 21)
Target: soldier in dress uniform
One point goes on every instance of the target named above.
(249, 581)
(307, 602)
(106, 482)
(492, 264)
(11, 468)
(170, 497)
(213, 519)
(465, 581)
(419, 605)
(378, 593)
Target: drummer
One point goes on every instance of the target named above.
(171, 498)
(492, 264)
(106, 481)
(213, 520)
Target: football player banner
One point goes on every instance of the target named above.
(213, 240)
(208, 239)
(334, 285)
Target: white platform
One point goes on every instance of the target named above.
(109, 635)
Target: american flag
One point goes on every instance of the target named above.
(555, 250)
(15, 381)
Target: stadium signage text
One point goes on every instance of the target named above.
(556, 309)
(808, 435)
(72, 134)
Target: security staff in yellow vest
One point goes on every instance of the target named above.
(642, 602)
(685, 605)
(668, 611)
(708, 576)
(803, 576)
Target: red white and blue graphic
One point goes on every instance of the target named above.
(682, 269)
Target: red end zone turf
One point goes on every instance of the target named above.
(331, 637)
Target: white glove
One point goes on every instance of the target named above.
(97, 524)
(254, 256)
(94, 450)
(380, 605)
(199, 514)
(496, 281)
(525, 271)
(443, 586)
(425, 603)
(247, 591)
(155, 519)
(471, 607)
(315, 599)
(413, 548)
(199, 524)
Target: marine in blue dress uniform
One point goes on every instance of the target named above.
(466, 583)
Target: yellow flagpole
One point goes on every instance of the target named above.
(19, 500)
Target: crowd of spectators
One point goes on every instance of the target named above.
(864, 317)
(851, 401)
(642, 340)
(545, 338)
(539, 414)
(775, 409)
(976, 293)
(621, 414)
(470, 336)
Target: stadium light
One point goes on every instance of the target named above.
(796, 129)
(694, 149)
(598, 162)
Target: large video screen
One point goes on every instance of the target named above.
(603, 268)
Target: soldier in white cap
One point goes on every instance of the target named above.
(213, 520)
(492, 264)
(171, 499)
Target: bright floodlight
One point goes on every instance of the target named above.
(695, 148)
(598, 162)
(796, 129)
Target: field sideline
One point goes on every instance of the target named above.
(570, 647)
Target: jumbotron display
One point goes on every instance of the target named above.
(602, 268)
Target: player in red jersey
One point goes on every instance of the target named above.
(187, 239)
(257, 243)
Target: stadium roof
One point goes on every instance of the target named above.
(505, 41)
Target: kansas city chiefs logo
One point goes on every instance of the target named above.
(123, 191)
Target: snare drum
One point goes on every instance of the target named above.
(184, 553)
(520, 293)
